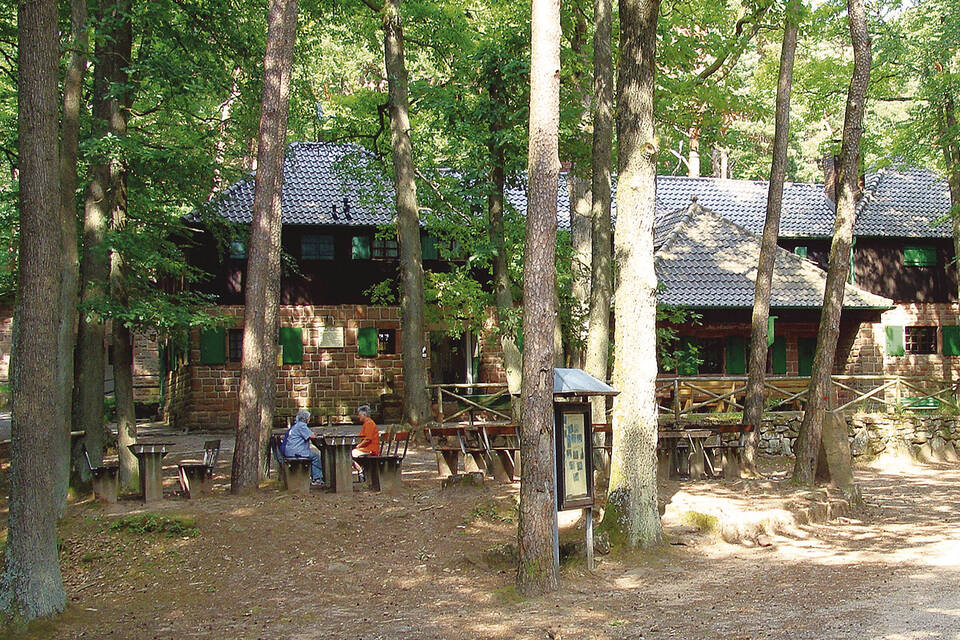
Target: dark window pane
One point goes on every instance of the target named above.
(920, 340)
(235, 344)
(387, 340)
(316, 247)
(711, 355)
(385, 249)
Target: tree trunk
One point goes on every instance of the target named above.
(258, 372)
(809, 437)
(580, 232)
(538, 570)
(416, 403)
(31, 585)
(95, 266)
(69, 254)
(598, 330)
(632, 515)
(220, 147)
(753, 406)
(951, 160)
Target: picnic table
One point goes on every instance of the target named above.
(150, 461)
(336, 446)
(704, 450)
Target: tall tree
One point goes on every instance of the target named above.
(258, 368)
(753, 406)
(601, 271)
(809, 437)
(502, 289)
(70, 265)
(31, 585)
(632, 514)
(416, 402)
(94, 265)
(538, 570)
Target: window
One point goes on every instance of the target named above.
(315, 247)
(360, 248)
(920, 256)
(800, 251)
(711, 355)
(234, 345)
(385, 249)
(920, 340)
(238, 250)
(386, 340)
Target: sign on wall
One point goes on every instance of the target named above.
(574, 455)
(331, 337)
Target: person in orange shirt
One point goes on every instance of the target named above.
(369, 436)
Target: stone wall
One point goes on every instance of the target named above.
(924, 436)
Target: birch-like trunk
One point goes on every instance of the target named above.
(258, 371)
(753, 406)
(31, 585)
(538, 571)
(809, 437)
(632, 516)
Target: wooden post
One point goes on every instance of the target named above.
(676, 400)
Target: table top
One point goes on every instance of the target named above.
(684, 433)
(149, 447)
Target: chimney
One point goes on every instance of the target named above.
(831, 177)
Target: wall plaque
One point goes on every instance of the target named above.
(330, 337)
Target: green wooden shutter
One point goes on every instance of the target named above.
(367, 342)
(291, 342)
(920, 256)
(213, 346)
(360, 248)
(806, 350)
(736, 361)
(894, 340)
(779, 363)
(951, 340)
(429, 248)
(800, 251)
(770, 332)
(687, 357)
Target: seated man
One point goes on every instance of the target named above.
(296, 444)
(369, 444)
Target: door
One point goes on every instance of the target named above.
(448, 359)
(806, 347)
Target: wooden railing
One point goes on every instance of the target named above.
(683, 396)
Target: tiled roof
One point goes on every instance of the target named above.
(708, 261)
(318, 179)
(909, 203)
(319, 175)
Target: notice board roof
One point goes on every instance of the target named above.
(577, 382)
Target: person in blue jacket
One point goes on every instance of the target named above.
(296, 444)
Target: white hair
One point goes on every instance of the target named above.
(364, 409)
(303, 416)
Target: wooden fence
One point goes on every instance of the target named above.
(683, 396)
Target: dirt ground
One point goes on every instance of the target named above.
(743, 562)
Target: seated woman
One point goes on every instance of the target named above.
(369, 444)
(296, 444)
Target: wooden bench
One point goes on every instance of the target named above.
(105, 480)
(294, 473)
(720, 395)
(383, 470)
(196, 476)
(502, 444)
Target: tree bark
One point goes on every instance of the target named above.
(580, 232)
(95, 265)
(258, 372)
(220, 147)
(693, 154)
(809, 437)
(416, 403)
(632, 515)
(538, 570)
(69, 253)
(31, 585)
(502, 292)
(601, 270)
(753, 405)
(950, 148)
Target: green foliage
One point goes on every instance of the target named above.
(673, 353)
(152, 523)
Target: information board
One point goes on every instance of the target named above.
(330, 337)
(574, 441)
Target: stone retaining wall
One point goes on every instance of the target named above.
(923, 436)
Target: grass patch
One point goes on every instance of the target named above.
(149, 523)
(493, 511)
(702, 521)
(508, 595)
